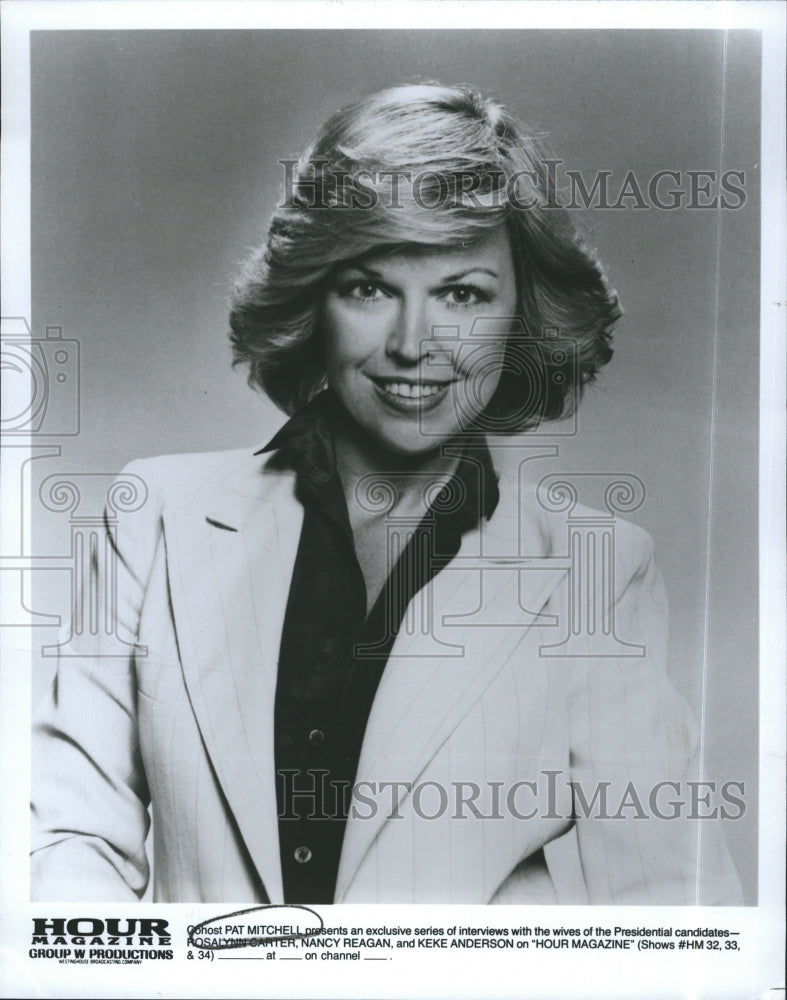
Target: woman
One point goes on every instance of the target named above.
(310, 704)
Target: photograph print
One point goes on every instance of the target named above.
(400, 508)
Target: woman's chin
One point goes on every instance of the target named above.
(412, 452)
(401, 436)
(412, 438)
(415, 448)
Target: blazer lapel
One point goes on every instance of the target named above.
(422, 698)
(231, 561)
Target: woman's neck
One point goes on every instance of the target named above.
(409, 482)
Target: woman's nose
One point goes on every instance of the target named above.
(408, 340)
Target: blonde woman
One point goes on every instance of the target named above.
(325, 701)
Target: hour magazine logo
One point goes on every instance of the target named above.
(101, 941)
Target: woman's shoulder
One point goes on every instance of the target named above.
(547, 513)
(182, 478)
(191, 464)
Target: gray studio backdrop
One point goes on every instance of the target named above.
(155, 168)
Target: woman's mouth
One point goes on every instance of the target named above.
(405, 395)
(413, 390)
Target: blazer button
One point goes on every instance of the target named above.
(316, 736)
(302, 855)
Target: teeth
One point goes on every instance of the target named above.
(421, 390)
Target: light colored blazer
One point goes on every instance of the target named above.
(186, 720)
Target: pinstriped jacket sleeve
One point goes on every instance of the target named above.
(634, 747)
(90, 796)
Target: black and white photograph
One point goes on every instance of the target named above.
(393, 555)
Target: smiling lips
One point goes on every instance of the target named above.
(412, 391)
(403, 389)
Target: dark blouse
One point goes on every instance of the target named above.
(332, 653)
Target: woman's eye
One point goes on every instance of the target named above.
(464, 295)
(363, 291)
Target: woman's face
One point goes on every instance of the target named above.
(414, 339)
